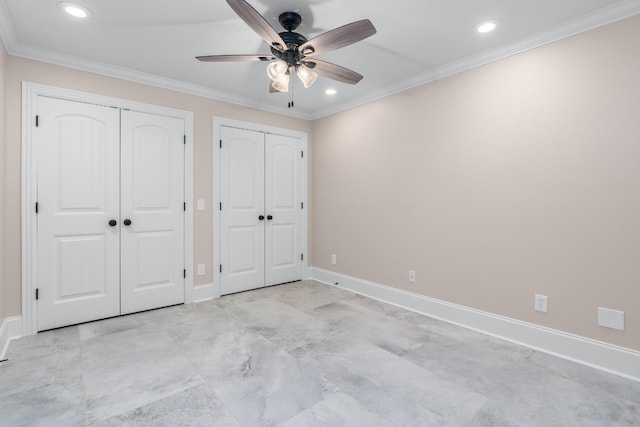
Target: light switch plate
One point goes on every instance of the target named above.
(200, 269)
(200, 204)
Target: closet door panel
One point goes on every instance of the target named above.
(78, 194)
(283, 203)
(242, 193)
(152, 211)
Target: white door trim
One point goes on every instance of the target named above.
(30, 93)
(218, 122)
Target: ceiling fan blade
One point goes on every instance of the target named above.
(338, 37)
(234, 58)
(257, 23)
(333, 71)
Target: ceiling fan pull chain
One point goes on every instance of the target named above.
(291, 96)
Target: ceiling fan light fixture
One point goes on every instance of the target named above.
(281, 84)
(289, 49)
(306, 76)
(277, 69)
(75, 10)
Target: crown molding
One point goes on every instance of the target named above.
(55, 58)
(576, 26)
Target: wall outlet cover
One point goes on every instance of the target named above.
(609, 318)
(412, 276)
(541, 303)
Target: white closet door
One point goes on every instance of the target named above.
(152, 198)
(242, 195)
(78, 194)
(283, 198)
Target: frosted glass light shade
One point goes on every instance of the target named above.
(307, 77)
(281, 84)
(277, 69)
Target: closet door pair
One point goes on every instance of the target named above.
(110, 212)
(261, 192)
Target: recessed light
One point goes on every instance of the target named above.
(330, 92)
(487, 26)
(75, 10)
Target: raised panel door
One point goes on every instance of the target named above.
(152, 211)
(78, 194)
(242, 193)
(283, 204)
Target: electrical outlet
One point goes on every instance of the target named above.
(334, 259)
(541, 303)
(412, 276)
(200, 269)
(200, 204)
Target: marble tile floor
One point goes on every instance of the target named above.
(301, 354)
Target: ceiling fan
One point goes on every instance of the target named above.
(292, 52)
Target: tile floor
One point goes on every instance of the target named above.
(302, 354)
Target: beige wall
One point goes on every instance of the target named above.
(19, 69)
(3, 60)
(515, 178)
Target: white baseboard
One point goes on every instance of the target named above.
(10, 329)
(607, 357)
(206, 292)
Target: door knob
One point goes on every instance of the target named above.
(261, 217)
(269, 217)
(127, 222)
(113, 223)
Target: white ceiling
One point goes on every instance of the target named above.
(155, 41)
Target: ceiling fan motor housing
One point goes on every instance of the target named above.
(293, 40)
(292, 56)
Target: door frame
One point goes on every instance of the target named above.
(218, 122)
(29, 193)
